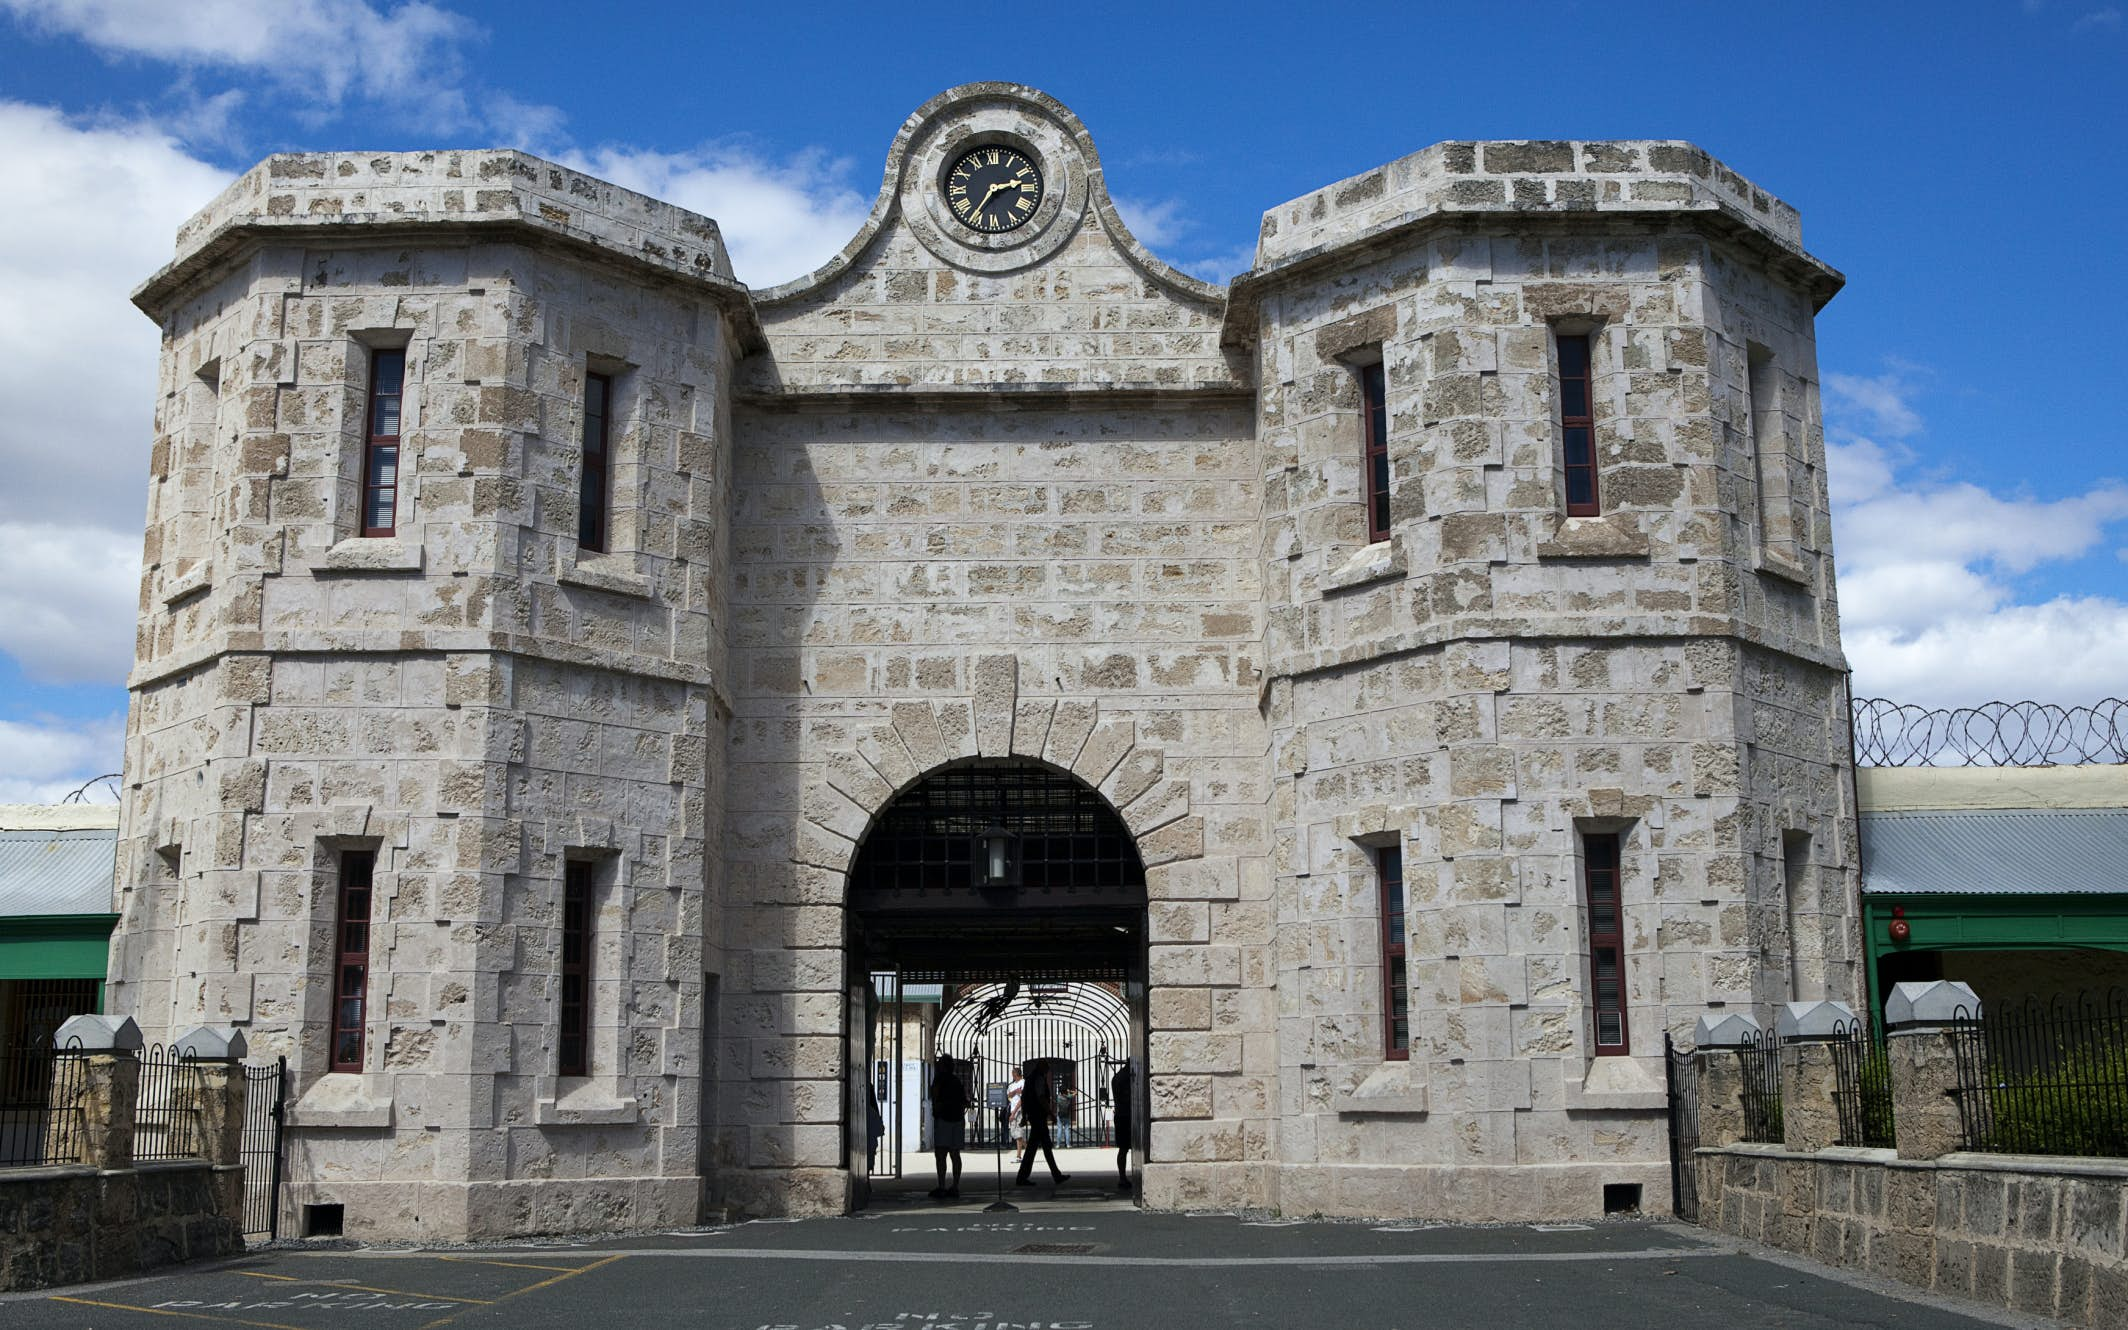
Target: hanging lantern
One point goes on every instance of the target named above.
(997, 857)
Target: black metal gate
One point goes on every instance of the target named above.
(265, 1093)
(1684, 1129)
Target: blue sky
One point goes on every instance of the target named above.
(1962, 163)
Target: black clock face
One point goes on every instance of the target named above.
(993, 189)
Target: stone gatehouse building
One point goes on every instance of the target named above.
(1410, 673)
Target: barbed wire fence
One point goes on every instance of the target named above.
(1993, 734)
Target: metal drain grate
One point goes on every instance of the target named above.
(1054, 1249)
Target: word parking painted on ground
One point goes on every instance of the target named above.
(998, 1228)
(310, 1302)
(942, 1321)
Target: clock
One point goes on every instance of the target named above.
(993, 189)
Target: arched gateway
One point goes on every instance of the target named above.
(996, 915)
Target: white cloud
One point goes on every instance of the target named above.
(43, 761)
(322, 50)
(69, 600)
(1881, 398)
(780, 219)
(2107, 19)
(1929, 604)
(1154, 222)
(2068, 651)
(93, 211)
(1222, 268)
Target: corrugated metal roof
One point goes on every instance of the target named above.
(2010, 851)
(57, 872)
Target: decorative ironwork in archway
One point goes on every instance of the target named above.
(1072, 849)
(1074, 1034)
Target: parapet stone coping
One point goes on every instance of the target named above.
(1972, 1161)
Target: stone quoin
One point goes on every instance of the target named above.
(410, 712)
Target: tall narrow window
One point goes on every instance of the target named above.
(1769, 452)
(591, 503)
(351, 958)
(1795, 869)
(576, 969)
(1577, 423)
(1374, 414)
(1396, 992)
(1607, 939)
(380, 458)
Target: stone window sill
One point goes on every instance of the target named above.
(1394, 1088)
(605, 572)
(1611, 536)
(584, 1105)
(191, 584)
(1777, 563)
(341, 1099)
(371, 554)
(1618, 1083)
(1379, 562)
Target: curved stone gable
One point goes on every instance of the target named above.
(915, 302)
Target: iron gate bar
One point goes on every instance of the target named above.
(1682, 1079)
(265, 1095)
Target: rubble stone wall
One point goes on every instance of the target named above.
(2041, 1236)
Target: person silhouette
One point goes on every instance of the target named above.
(1038, 1106)
(1120, 1090)
(949, 1125)
(875, 1125)
(1016, 1120)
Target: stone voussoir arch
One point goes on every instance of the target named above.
(1069, 735)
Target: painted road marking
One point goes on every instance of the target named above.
(941, 1321)
(363, 1288)
(514, 1265)
(534, 1288)
(191, 1316)
(1194, 1262)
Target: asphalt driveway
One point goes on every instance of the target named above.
(1055, 1264)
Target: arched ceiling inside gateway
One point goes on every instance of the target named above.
(1076, 910)
(1035, 1018)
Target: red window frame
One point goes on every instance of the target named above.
(1577, 425)
(592, 504)
(351, 925)
(574, 1043)
(380, 451)
(1374, 419)
(1607, 941)
(1396, 987)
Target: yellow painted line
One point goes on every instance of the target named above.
(365, 1288)
(189, 1316)
(534, 1288)
(514, 1265)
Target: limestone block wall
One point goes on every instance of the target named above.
(1497, 679)
(473, 698)
(917, 586)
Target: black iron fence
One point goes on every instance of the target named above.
(40, 1106)
(2049, 1077)
(1682, 1081)
(1862, 1087)
(265, 1100)
(1761, 1066)
(166, 1114)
